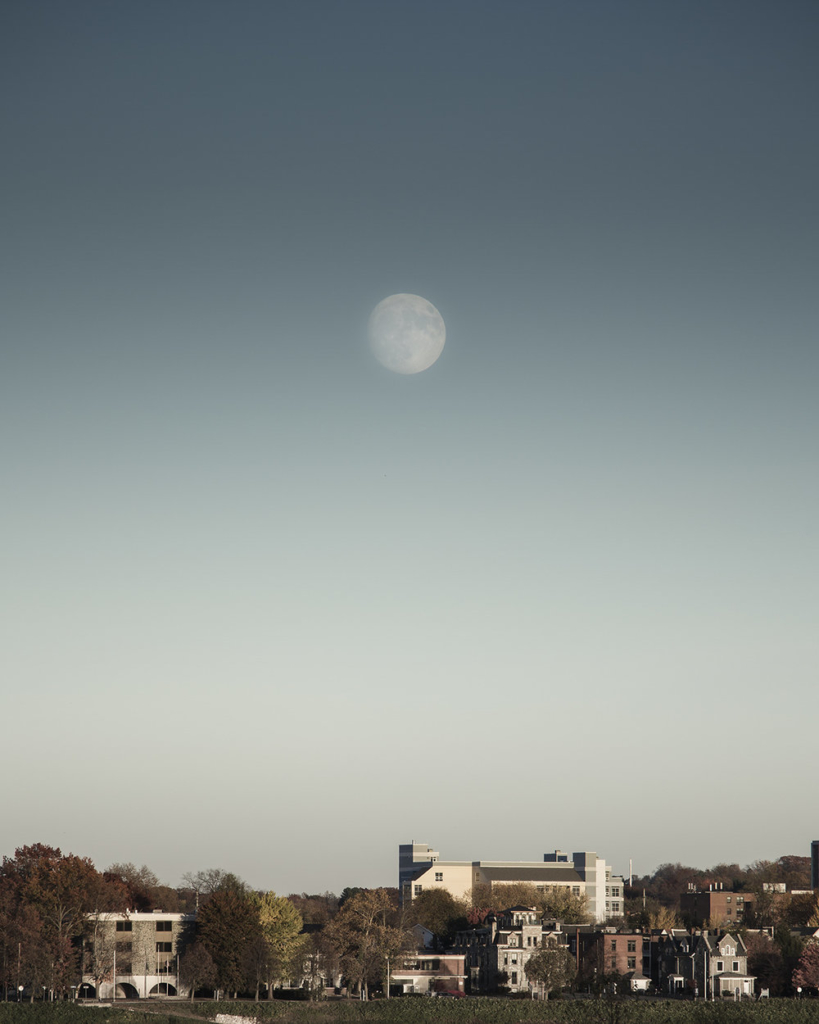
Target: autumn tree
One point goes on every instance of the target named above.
(281, 926)
(551, 968)
(317, 910)
(556, 902)
(368, 935)
(441, 912)
(62, 890)
(766, 963)
(806, 974)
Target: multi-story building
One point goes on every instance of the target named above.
(135, 955)
(714, 907)
(721, 966)
(497, 952)
(606, 954)
(585, 874)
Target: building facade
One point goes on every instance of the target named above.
(135, 955)
(496, 953)
(585, 874)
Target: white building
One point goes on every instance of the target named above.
(420, 868)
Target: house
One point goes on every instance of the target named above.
(497, 952)
(721, 966)
(425, 973)
(134, 955)
(585, 874)
(609, 955)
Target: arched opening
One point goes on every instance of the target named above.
(86, 991)
(126, 991)
(163, 989)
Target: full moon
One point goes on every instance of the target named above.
(407, 333)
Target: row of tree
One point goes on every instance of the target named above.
(252, 942)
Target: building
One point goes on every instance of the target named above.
(714, 907)
(425, 974)
(497, 952)
(814, 864)
(134, 955)
(721, 967)
(606, 955)
(420, 868)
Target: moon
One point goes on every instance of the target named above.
(407, 333)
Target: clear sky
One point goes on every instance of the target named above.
(268, 606)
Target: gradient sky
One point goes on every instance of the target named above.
(270, 607)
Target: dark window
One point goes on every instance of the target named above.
(632, 946)
(632, 962)
(164, 947)
(164, 926)
(418, 890)
(514, 977)
(124, 926)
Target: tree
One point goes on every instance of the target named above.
(806, 974)
(281, 926)
(368, 935)
(203, 884)
(63, 890)
(555, 901)
(766, 963)
(440, 912)
(229, 928)
(551, 968)
(197, 969)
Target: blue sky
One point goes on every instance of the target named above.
(269, 607)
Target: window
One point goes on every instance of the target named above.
(614, 944)
(125, 926)
(632, 945)
(164, 947)
(632, 963)
(514, 977)
(575, 890)
(439, 876)
(418, 889)
(735, 967)
(164, 926)
(514, 959)
(608, 890)
(506, 960)
(720, 966)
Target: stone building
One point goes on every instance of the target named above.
(497, 952)
(134, 955)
